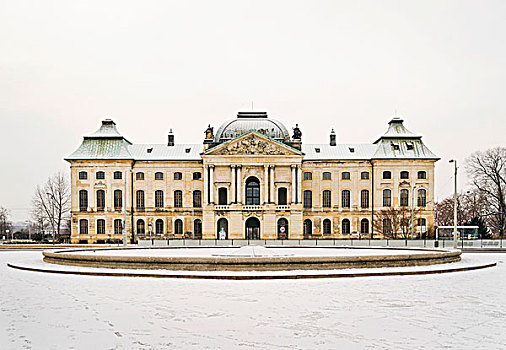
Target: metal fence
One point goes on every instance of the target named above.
(420, 243)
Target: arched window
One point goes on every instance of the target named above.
(282, 228)
(178, 176)
(141, 227)
(308, 228)
(387, 175)
(178, 227)
(83, 200)
(387, 226)
(252, 191)
(158, 175)
(345, 227)
(282, 196)
(364, 199)
(364, 175)
(83, 175)
(422, 175)
(327, 176)
(345, 198)
(345, 175)
(197, 199)
(118, 175)
(197, 229)
(118, 199)
(404, 198)
(327, 227)
(308, 199)
(100, 227)
(100, 200)
(159, 226)
(83, 227)
(404, 174)
(178, 199)
(222, 196)
(364, 226)
(197, 175)
(159, 199)
(118, 226)
(387, 198)
(139, 199)
(308, 175)
(139, 176)
(422, 198)
(100, 175)
(326, 199)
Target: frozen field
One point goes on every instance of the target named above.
(250, 251)
(464, 310)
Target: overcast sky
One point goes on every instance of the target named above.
(155, 65)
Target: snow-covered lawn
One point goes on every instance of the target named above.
(464, 310)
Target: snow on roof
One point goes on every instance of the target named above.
(164, 152)
(340, 151)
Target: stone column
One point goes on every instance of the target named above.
(211, 183)
(294, 185)
(206, 184)
(239, 185)
(232, 190)
(266, 183)
(299, 184)
(271, 198)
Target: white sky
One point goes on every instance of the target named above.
(155, 65)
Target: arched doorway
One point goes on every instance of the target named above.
(308, 228)
(222, 229)
(252, 228)
(282, 228)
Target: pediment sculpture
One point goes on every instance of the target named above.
(252, 145)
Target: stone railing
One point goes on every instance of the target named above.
(221, 207)
(282, 207)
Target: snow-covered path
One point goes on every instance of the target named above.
(465, 310)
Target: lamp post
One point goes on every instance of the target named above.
(455, 205)
(52, 221)
(193, 215)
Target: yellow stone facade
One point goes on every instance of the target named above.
(251, 186)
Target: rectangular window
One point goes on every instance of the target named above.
(139, 176)
(83, 175)
(118, 175)
(345, 199)
(345, 175)
(178, 199)
(364, 175)
(158, 176)
(308, 176)
(100, 175)
(326, 199)
(308, 199)
(327, 176)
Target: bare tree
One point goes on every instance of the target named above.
(5, 223)
(487, 171)
(51, 203)
(393, 222)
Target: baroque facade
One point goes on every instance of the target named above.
(250, 180)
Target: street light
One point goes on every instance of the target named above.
(52, 221)
(455, 205)
(413, 212)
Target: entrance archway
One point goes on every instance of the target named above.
(282, 229)
(252, 228)
(222, 229)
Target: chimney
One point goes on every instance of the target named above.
(171, 139)
(332, 138)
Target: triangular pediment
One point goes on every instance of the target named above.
(253, 143)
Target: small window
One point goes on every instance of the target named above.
(83, 175)
(345, 175)
(410, 146)
(178, 176)
(317, 150)
(422, 175)
(100, 175)
(158, 176)
(308, 199)
(149, 150)
(308, 176)
(395, 146)
(139, 176)
(118, 175)
(187, 150)
(404, 174)
(327, 176)
(387, 175)
(364, 175)
(197, 175)
(352, 149)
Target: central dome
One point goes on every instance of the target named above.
(247, 121)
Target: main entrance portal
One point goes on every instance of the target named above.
(252, 228)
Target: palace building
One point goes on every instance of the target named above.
(250, 180)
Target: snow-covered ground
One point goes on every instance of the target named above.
(464, 310)
(250, 251)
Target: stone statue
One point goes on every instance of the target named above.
(297, 134)
(209, 132)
